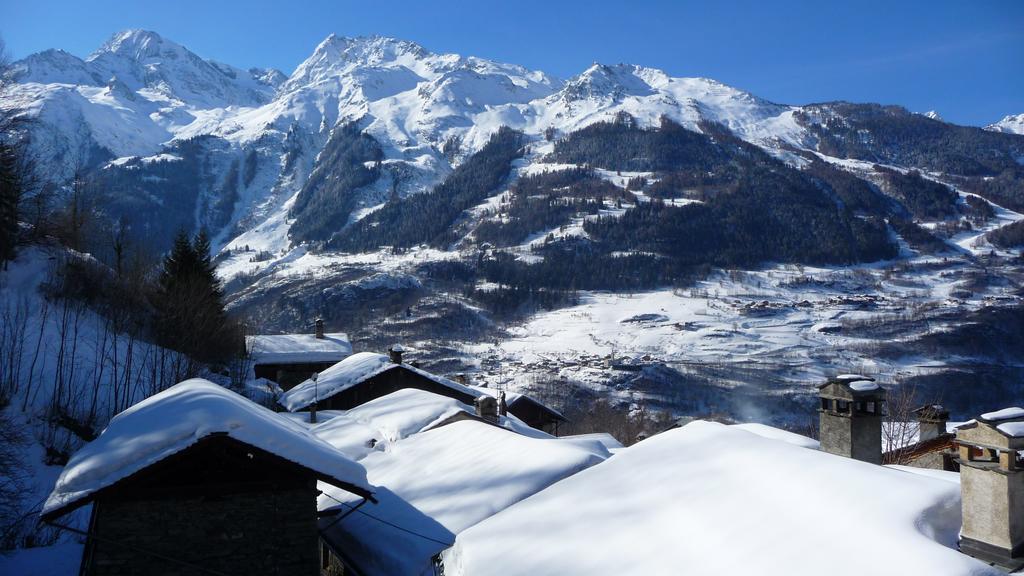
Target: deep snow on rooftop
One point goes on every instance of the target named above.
(350, 372)
(171, 421)
(442, 481)
(715, 499)
(382, 421)
(1004, 414)
(285, 348)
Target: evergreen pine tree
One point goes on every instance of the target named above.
(10, 195)
(189, 303)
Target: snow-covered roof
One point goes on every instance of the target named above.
(1009, 421)
(177, 418)
(440, 482)
(863, 386)
(351, 371)
(514, 397)
(854, 382)
(779, 434)
(403, 413)
(298, 348)
(857, 382)
(1012, 429)
(609, 442)
(1004, 414)
(714, 499)
(852, 378)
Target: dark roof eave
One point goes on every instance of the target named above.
(52, 515)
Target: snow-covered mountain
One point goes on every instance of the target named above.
(141, 95)
(1013, 124)
(130, 97)
(176, 141)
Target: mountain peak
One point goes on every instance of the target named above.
(337, 55)
(609, 80)
(1012, 124)
(378, 48)
(135, 44)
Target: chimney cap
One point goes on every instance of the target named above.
(855, 383)
(932, 412)
(396, 348)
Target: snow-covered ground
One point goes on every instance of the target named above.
(795, 319)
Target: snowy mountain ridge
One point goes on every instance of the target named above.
(1013, 124)
(140, 93)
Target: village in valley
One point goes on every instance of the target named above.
(353, 305)
(343, 463)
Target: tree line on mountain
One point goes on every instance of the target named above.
(546, 201)
(623, 146)
(1005, 188)
(427, 218)
(924, 198)
(154, 198)
(327, 199)
(857, 194)
(1009, 236)
(902, 138)
(755, 209)
(980, 161)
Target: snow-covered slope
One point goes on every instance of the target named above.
(1012, 124)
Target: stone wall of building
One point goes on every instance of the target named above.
(993, 506)
(249, 532)
(867, 438)
(834, 434)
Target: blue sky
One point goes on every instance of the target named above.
(963, 58)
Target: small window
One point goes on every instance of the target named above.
(842, 406)
(870, 407)
(826, 404)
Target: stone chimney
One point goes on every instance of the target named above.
(850, 417)
(991, 454)
(395, 353)
(487, 408)
(931, 421)
(318, 328)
